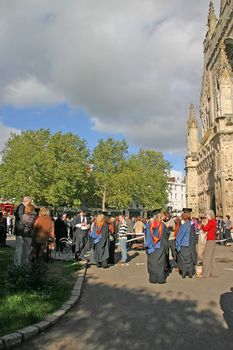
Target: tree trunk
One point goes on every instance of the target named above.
(144, 213)
(104, 201)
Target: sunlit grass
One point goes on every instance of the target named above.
(18, 310)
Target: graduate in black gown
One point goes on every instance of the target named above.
(100, 236)
(186, 245)
(156, 244)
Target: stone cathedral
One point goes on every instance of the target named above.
(209, 161)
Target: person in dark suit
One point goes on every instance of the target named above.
(81, 225)
(3, 230)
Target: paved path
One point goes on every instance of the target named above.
(119, 309)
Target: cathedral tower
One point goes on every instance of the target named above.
(212, 20)
(223, 3)
(209, 163)
(191, 162)
(193, 142)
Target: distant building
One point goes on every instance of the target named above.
(176, 194)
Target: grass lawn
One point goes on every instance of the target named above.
(21, 309)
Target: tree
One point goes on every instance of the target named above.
(50, 168)
(149, 184)
(70, 159)
(108, 163)
(121, 194)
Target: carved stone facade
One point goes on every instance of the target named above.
(209, 163)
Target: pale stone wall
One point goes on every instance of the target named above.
(177, 195)
(191, 185)
(209, 164)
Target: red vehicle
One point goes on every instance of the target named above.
(8, 207)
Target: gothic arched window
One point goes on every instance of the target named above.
(229, 50)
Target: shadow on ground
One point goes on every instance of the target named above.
(226, 303)
(130, 257)
(112, 318)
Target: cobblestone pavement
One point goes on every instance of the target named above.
(119, 309)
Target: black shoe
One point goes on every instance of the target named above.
(183, 275)
(190, 275)
(168, 270)
(111, 262)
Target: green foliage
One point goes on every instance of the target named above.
(28, 277)
(150, 178)
(6, 257)
(121, 180)
(108, 160)
(70, 157)
(121, 193)
(50, 168)
(22, 306)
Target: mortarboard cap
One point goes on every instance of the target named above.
(156, 211)
(103, 212)
(187, 210)
(83, 208)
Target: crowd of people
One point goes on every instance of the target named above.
(190, 241)
(179, 243)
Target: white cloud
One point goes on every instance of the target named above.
(133, 65)
(30, 92)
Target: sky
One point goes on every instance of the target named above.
(120, 68)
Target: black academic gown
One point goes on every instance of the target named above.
(112, 246)
(80, 236)
(61, 231)
(156, 261)
(3, 231)
(187, 256)
(101, 249)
